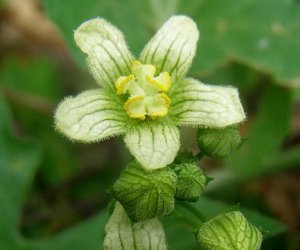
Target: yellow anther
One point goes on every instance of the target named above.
(122, 82)
(165, 103)
(135, 65)
(166, 99)
(155, 115)
(140, 69)
(132, 100)
(130, 111)
(161, 82)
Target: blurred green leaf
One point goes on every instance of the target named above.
(262, 34)
(19, 160)
(230, 30)
(235, 74)
(69, 14)
(18, 163)
(34, 87)
(38, 76)
(88, 235)
(266, 133)
(287, 159)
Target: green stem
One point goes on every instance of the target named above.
(200, 155)
(193, 210)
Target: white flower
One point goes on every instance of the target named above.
(144, 100)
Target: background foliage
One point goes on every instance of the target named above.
(53, 192)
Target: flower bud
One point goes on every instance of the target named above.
(145, 194)
(190, 181)
(229, 231)
(219, 143)
(120, 233)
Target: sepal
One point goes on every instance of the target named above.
(219, 143)
(229, 231)
(145, 194)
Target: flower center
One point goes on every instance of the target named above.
(146, 91)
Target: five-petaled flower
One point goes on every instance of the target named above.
(146, 99)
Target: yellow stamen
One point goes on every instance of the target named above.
(138, 68)
(155, 115)
(131, 101)
(122, 82)
(137, 116)
(162, 82)
(166, 99)
(135, 65)
(166, 103)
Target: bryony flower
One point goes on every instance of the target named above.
(144, 99)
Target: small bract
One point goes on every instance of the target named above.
(144, 99)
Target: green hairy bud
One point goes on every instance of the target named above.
(121, 233)
(145, 194)
(219, 143)
(190, 181)
(229, 231)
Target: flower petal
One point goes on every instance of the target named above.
(108, 54)
(195, 103)
(91, 116)
(122, 233)
(173, 47)
(153, 144)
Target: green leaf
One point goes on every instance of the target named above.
(240, 31)
(244, 31)
(237, 75)
(70, 14)
(265, 134)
